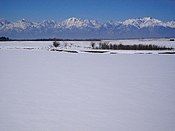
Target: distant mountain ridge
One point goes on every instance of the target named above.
(77, 28)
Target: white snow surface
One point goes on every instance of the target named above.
(52, 91)
(81, 46)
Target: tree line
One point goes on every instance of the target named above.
(47, 39)
(107, 46)
(4, 39)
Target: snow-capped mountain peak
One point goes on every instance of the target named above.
(142, 27)
(144, 22)
(150, 22)
(3, 22)
(23, 20)
(22, 24)
(48, 23)
(72, 22)
(73, 19)
(171, 24)
(80, 23)
(147, 18)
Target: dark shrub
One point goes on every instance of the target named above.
(56, 44)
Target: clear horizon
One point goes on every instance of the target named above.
(101, 10)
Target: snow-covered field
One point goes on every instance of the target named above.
(82, 46)
(43, 90)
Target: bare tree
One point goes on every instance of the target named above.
(92, 45)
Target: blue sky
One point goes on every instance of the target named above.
(103, 10)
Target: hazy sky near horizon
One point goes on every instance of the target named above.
(103, 10)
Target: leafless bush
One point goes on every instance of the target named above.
(56, 44)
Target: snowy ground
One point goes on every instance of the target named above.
(50, 91)
(82, 46)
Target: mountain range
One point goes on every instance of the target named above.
(77, 28)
